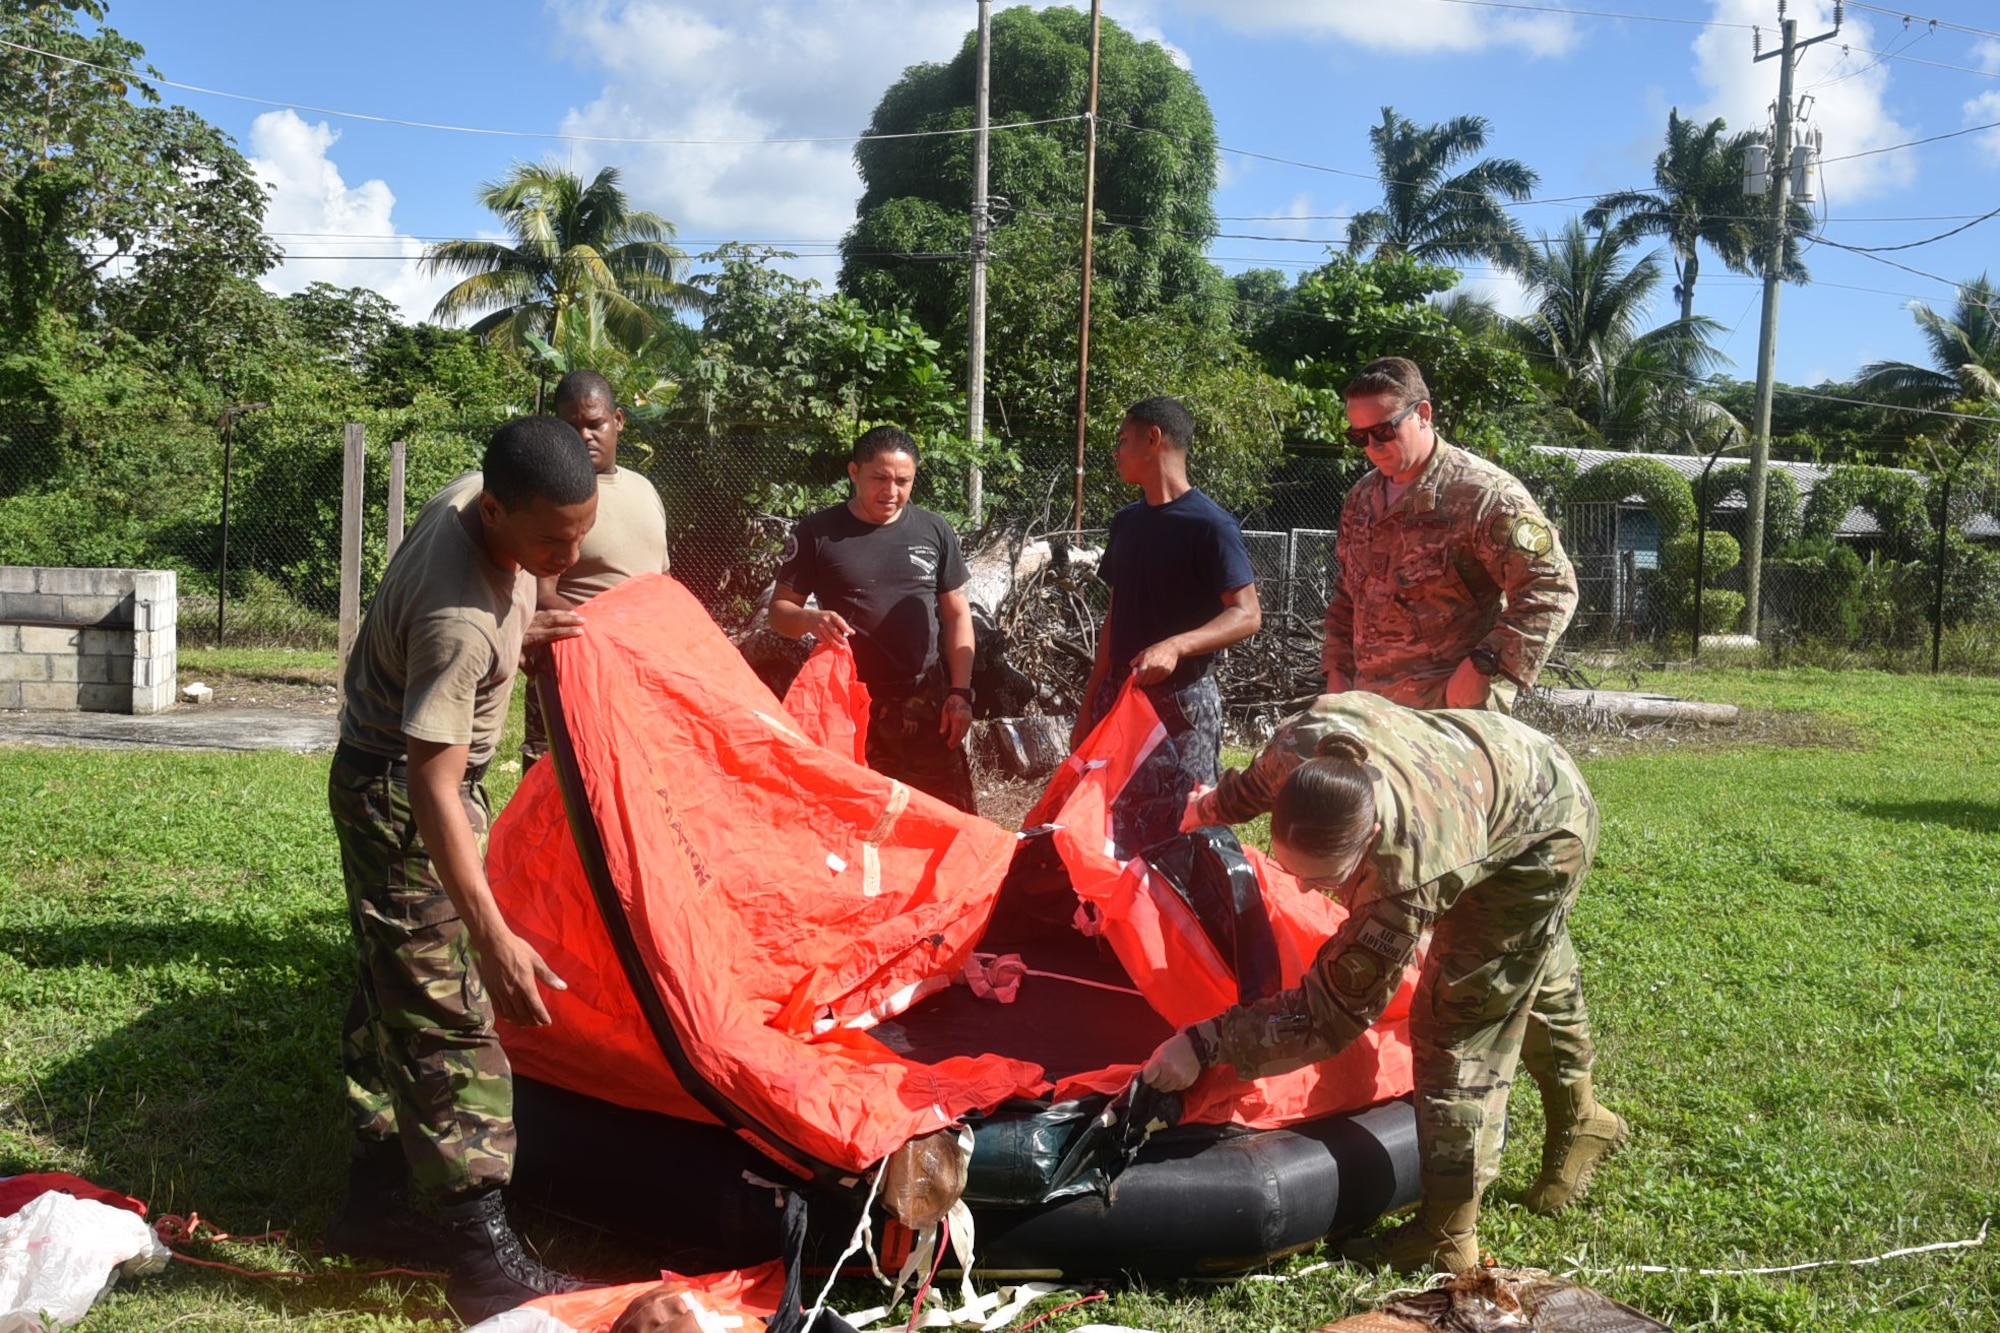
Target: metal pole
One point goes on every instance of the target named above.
(975, 336)
(1767, 337)
(222, 564)
(1089, 223)
(1700, 552)
(1943, 550)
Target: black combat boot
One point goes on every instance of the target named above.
(490, 1272)
(375, 1219)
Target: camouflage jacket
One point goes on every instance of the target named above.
(1460, 794)
(1463, 559)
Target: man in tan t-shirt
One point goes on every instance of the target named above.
(629, 537)
(427, 685)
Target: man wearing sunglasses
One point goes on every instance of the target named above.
(1453, 585)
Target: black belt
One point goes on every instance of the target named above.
(396, 767)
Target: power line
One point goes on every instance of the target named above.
(559, 136)
(1896, 147)
(1912, 245)
(1934, 64)
(1909, 18)
(1934, 277)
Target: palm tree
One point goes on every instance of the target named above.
(1431, 216)
(578, 251)
(1700, 201)
(1965, 363)
(1613, 379)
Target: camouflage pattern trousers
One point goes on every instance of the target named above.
(422, 1062)
(1149, 809)
(904, 742)
(1501, 987)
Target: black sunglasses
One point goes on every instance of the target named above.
(1382, 431)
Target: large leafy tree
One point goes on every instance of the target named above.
(1699, 200)
(1156, 170)
(97, 177)
(578, 253)
(1602, 369)
(1432, 213)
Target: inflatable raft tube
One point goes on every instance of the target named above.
(1196, 1200)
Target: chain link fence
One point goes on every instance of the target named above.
(247, 512)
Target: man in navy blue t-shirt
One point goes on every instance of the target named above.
(1181, 590)
(889, 579)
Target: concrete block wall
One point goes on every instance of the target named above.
(98, 640)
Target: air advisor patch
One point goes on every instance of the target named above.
(1532, 535)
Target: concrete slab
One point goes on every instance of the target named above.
(177, 729)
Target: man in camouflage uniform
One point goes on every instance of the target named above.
(1453, 586)
(425, 696)
(1485, 831)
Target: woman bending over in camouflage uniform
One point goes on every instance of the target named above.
(1470, 829)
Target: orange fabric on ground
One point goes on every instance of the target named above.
(751, 1294)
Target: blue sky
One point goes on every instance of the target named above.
(1577, 89)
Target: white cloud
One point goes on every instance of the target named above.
(748, 70)
(737, 70)
(1411, 25)
(1509, 295)
(331, 231)
(1848, 90)
(1984, 110)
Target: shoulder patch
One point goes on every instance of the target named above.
(1382, 938)
(1531, 534)
(1355, 972)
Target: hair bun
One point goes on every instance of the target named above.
(1342, 745)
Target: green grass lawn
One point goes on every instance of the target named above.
(1790, 953)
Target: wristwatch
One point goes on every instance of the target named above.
(1485, 661)
(961, 692)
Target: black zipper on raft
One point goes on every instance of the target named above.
(597, 872)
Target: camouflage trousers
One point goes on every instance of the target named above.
(422, 1062)
(1190, 755)
(1501, 987)
(904, 742)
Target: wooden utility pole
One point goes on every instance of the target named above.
(352, 474)
(1767, 336)
(1089, 228)
(975, 334)
(398, 453)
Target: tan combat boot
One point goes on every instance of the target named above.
(1440, 1238)
(1581, 1135)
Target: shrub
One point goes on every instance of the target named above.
(1666, 492)
(1719, 555)
(1721, 609)
(1895, 498)
(1781, 500)
(1813, 587)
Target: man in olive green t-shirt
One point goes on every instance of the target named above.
(629, 537)
(426, 691)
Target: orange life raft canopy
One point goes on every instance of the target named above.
(736, 906)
